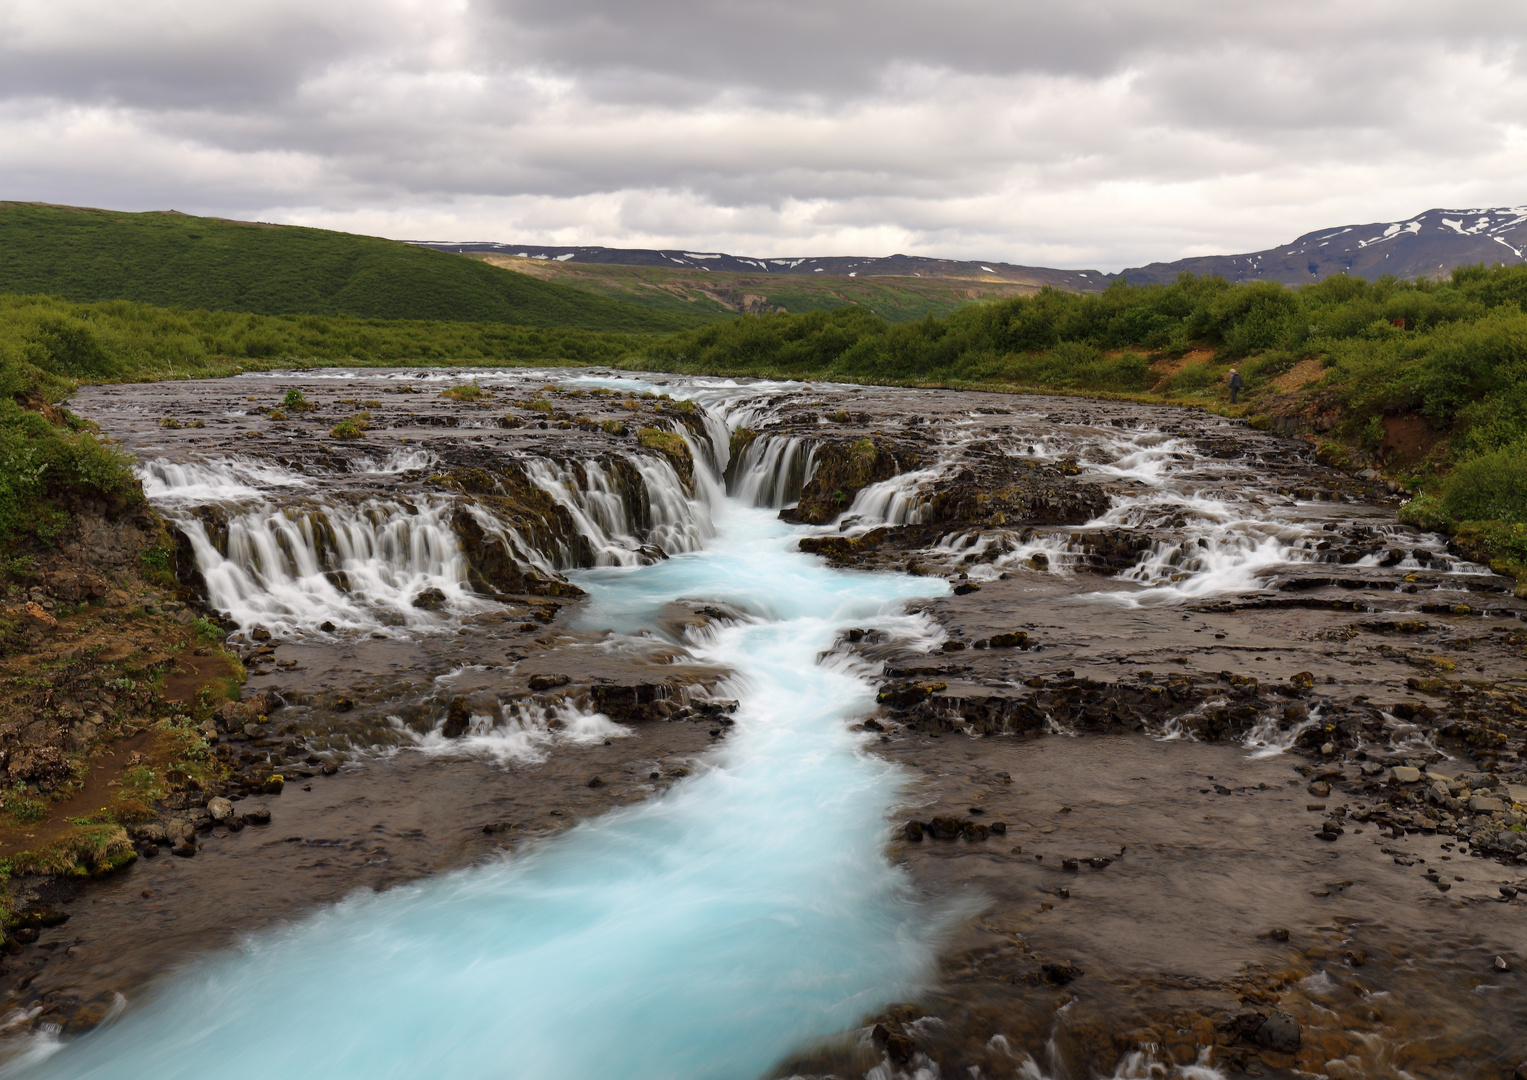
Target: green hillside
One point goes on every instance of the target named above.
(715, 296)
(173, 260)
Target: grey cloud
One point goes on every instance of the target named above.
(1092, 132)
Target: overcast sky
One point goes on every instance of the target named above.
(1068, 133)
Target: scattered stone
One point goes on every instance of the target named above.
(257, 815)
(1018, 639)
(1405, 774)
(539, 683)
(1501, 964)
(913, 831)
(898, 1046)
(1279, 1032)
(596, 782)
(1320, 789)
(220, 809)
(430, 599)
(1278, 933)
(458, 718)
(37, 617)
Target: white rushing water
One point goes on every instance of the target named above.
(702, 935)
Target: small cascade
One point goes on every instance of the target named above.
(517, 732)
(396, 461)
(308, 567)
(1269, 737)
(225, 479)
(772, 470)
(897, 501)
(630, 512)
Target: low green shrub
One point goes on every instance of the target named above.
(1490, 487)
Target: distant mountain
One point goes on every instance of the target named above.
(839, 266)
(1428, 245)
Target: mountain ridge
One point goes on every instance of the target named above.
(1428, 244)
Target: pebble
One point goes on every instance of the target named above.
(1405, 774)
(1501, 965)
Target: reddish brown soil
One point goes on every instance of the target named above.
(1408, 439)
(97, 794)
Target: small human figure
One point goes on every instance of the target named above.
(1236, 382)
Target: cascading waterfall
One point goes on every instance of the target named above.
(299, 567)
(295, 568)
(897, 501)
(772, 470)
(703, 934)
(620, 523)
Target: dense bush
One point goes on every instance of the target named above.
(1490, 487)
(47, 460)
(121, 340)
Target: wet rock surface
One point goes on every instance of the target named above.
(1165, 634)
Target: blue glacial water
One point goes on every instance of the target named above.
(702, 935)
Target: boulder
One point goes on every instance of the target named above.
(429, 600)
(458, 718)
(1279, 1032)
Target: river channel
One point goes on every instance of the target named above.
(644, 726)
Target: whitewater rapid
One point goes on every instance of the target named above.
(704, 934)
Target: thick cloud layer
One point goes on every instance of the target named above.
(1078, 134)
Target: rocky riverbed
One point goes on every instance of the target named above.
(1223, 764)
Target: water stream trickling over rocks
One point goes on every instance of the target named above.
(692, 727)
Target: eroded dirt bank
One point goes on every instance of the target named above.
(1192, 729)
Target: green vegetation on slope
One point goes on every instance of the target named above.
(719, 295)
(179, 261)
(118, 340)
(49, 462)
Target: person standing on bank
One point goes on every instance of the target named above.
(1236, 383)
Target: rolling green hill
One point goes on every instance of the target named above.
(173, 260)
(717, 295)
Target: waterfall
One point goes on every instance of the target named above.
(295, 568)
(897, 501)
(771, 470)
(623, 520)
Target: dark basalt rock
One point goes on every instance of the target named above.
(633, 703)
(458, 718)
(429, 600)
(1279, 1032)
(493, 570)
(843, 469)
